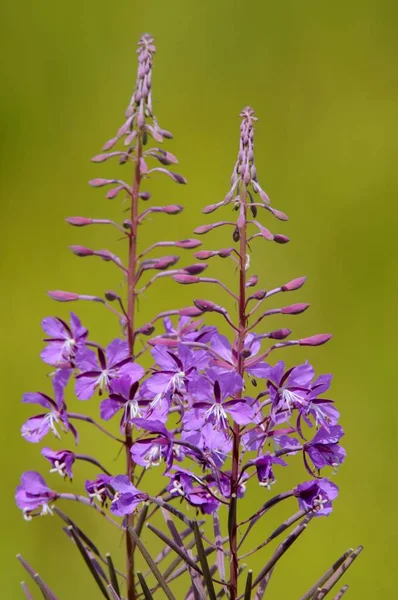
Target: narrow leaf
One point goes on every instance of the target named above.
(141, 519)
(219, 545)
(280, 551)
(89, 563)
(151, 564)
(46, 592)
(113, 594)
(341, 593)
(248, 587)
(145, 588)
(174, 546)
(112, 573)
(262, 588)
(327, 575)
(203, 562)
(26, 591)
(338, 574)
(37, 579)
(80, 533)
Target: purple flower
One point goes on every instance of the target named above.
(324, 449)
(229, 358)
(189, 486)
(264, 469)
(99, 488)
(321, 409)
(213, 445)
(37, 427)
(98, 371)
(123, 396)
(149, 452)
(33, 494)
(127, 497)
(187, 330)
(61, 461)
(316, 496)
(175, 369)
(211, 404)
(63, 341)
(289, 390)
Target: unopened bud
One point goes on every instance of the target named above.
(165, 262)
(63, 296)
(281, 239)
(315, 340)
(280, 334)
(209, 208)
(188, 244)
(81, 251)
(294, 309)
(203, 229)
(208, 306)
(185, 279)
(252, 281)
(111, 194)
(204, 254)
(144, 195)
(111, 296)
(295, 284)
(147, 329)
(195, 269)
(79, 221)
(173, 209)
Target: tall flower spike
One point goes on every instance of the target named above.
(209, 407)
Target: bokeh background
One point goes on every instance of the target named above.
(322, 78)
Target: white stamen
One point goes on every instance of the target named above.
(58, 468)
(46, 510)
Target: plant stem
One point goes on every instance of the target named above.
(131, 298)
(240, 342)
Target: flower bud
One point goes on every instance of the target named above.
(315, 340)
(203, 229)
(172, 209)
(144, 195)
(147, 329)
(294, 309)
(81, 251)
(195, 269)
(79, 221)
(185, 279)
(63, 296)
(295, 284)
(279, 334)
(281, 239)
(208, 306)
(111, 296)
(204, 254)
(252, 281)
(188, 244)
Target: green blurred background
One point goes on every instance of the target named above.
(322, 78)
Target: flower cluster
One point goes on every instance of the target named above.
(212, 411)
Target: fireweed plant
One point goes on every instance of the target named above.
(211, 413)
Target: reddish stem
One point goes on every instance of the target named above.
(131, 298)
(240, 342)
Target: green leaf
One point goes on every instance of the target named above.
(203, 561)
(145, 588)
(112, 574)
(151, 564)
(89, 563)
